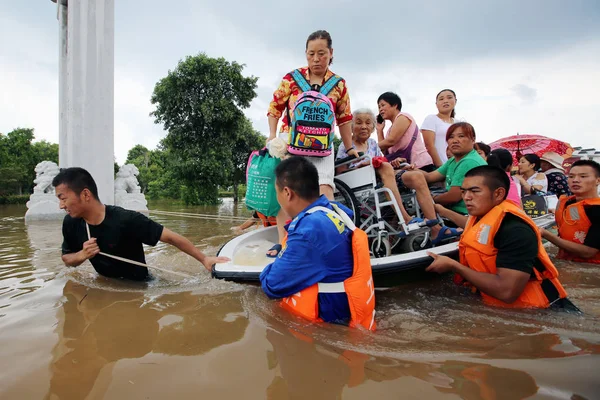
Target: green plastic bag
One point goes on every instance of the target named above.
(260, 179)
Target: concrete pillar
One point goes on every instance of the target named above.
(63, 137)
(90, 92)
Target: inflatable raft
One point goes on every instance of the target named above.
(248, 257)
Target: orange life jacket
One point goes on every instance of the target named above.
(267, 221)
(477, 251)
(573, 225)
(359, 287)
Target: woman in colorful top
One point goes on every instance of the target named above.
(551, 165)
(529, 177)
(434, 127)
(403, 139)
(319, 55)
(363, 125)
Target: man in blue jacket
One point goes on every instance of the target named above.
(318, 247)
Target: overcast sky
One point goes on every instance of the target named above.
(527, 66)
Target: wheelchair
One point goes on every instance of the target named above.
(377, 212)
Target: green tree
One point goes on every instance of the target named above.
(200, 105)
(18, 158)
(139, 156)
(246, 140)
(45, 151)
(336, 144)
(156, 177)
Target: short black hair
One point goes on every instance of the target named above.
(392, 99)
(493, 177)
(76, 179)
(533, 159)
(483, 147)
(501, 158)
(588, 163)
(300, 175)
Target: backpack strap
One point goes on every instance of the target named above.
(336, 211)
(300, 80)
(330, 84)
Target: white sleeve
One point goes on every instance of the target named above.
(429, 123)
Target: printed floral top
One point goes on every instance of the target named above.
(373, 151)
(557, 182)
(288, 91)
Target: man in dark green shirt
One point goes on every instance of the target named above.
(461, 139)
(91, 228)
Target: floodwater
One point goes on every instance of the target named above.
(66, 333)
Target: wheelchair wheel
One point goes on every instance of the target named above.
(345, 196)
(381, 248)
(420, 241)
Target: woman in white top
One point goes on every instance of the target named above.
(529, 177)
(434, 127)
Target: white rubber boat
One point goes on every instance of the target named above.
(248, 257)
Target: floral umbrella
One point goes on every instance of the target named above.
(526, 144)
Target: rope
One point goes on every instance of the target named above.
(87, 227)
(200, 216)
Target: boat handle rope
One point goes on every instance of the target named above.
(87, 227)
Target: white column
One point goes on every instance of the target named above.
(90, 91)
(63, 140)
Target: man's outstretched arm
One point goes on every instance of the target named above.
(183, 244)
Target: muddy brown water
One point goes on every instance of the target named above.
(66, 333)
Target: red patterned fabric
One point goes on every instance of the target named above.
(377, 161)
(288, 91)
(520, 145)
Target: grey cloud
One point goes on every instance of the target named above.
(524, 92)
(420, 32)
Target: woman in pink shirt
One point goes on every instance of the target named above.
(403, 140)
(503, 159)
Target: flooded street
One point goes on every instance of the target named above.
(67, 333)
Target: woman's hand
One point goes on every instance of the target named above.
(521, 179)
(380, 126)
(396, 162)
(353, 152)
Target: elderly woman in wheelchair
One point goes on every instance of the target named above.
(358, 187)
(363, 125)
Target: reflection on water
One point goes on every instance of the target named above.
(69, 334)
(97, 328)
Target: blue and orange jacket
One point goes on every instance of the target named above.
(323, 271)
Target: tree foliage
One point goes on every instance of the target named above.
(246, 140)
(18, 158)
(200, 105)
(156, 177)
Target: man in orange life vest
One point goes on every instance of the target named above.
(501, 252)
(578, 216)
(323, 272)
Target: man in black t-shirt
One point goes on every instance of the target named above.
(91, 228)
(578, 216)
(501, 253)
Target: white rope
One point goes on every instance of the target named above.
(87, 227)
(203, 216)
